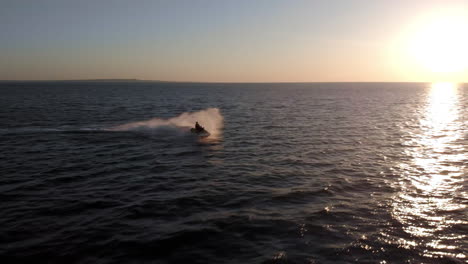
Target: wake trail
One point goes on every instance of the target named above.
(210, 118)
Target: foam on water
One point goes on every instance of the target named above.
(209, 118)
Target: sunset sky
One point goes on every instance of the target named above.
(235, 41)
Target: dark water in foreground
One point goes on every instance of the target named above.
(301, 173)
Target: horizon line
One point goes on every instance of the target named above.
(214, 82)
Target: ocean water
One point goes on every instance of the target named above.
(108, 172)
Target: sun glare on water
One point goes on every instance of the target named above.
(432, 179)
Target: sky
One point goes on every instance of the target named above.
(233, 41)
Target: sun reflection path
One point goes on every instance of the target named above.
(432, 183)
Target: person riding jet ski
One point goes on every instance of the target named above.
(199, 128)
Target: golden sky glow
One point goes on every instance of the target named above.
(236, 41)
(434, 46)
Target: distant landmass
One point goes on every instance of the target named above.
(107, 80)
(84, 80)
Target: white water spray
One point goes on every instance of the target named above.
(209, 118)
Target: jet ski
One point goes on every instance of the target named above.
(200, 133)
(199, 130)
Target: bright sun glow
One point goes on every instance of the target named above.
(440, 43)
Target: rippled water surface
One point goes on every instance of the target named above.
(292, 173)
